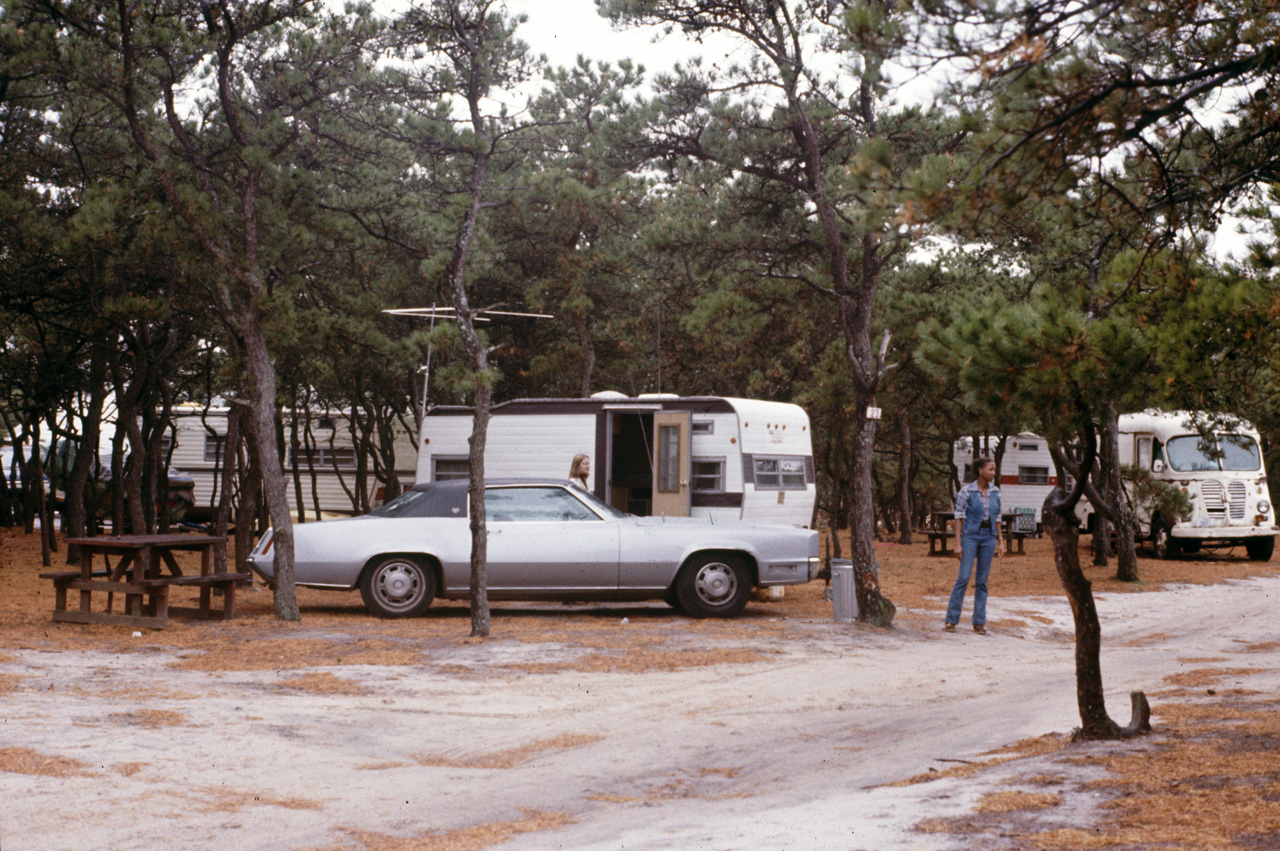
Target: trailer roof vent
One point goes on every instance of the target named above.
(609, 395)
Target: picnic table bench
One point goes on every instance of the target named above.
(144, 571)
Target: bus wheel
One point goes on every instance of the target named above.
(1260, 549)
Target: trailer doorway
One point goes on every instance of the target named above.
(630, 462)
(649, 462)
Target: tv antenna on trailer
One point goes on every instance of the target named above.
(433, 313)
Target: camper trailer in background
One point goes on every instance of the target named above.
(654, 454)
(1027, 473)
(1223, 478)
(200, 453)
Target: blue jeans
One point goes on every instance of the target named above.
(979, 547)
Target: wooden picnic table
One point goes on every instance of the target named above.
(144, 571)
(943, 534)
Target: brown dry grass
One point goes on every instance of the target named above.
(464, 839)
(510, 758)
(152, 718)
(1208, 777)
(18, 760)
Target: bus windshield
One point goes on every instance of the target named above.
(1230, 452)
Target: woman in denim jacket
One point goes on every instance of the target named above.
(977, 541)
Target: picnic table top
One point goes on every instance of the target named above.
(174, 539)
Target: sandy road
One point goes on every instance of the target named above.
(791, 753)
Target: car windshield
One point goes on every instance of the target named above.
(1231, 452)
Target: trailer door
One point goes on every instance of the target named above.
(671, 463)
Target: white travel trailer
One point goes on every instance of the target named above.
(1027, 472)
(654, 454)
(1224, 479)
(198, 452)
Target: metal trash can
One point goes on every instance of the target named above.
(844, 591)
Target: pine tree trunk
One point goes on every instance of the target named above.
(481, 621)
(904, 481)
(1090, 699)
(262, 424)
(1126, 550)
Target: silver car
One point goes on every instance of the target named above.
(548, 540)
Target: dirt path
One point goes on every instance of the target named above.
(506, 738)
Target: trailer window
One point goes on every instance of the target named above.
(324, 456)
(1236, 452)
(445, 469)
(1033, 475)
(774, 474)
(708, 476)
(214, 447)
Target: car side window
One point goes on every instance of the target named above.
(534, 505)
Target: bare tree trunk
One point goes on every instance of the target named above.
(74, 511)
(1101, 545)
(227, 453)
(904, 480)
(1126, 550)
(294, 469)
(262, 420)
(249, 504)
(1094, 721)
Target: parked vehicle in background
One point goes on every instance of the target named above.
(656, 454)
(548, 540)
(329, 467)
(1027, 472)
(1218, 467)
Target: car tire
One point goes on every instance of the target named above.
(712, 585)
(397, 587)
(672, 598)
(1161, 541)
(1260, 549)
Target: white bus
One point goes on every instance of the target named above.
(1222, 476)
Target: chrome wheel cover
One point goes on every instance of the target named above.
(399, 585)
(716, 583)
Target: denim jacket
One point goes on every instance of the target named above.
(969, 507)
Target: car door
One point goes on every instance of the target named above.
(543, 538)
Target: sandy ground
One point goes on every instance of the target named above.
(780, 730)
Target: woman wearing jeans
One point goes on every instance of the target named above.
(977, 541)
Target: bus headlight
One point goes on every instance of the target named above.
(1263, 506)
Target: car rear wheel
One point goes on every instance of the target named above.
(713, 586)
(1260, 549)
(397, 587)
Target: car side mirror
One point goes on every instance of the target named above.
(1157, 466)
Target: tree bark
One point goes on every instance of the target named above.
(75, 510)
(904, 480)
(1126, 548)
(262, 425)
(1058, 515)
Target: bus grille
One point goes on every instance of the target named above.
(1215, 503)
(1236, 491)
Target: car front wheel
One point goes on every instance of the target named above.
(397, 587)
(713, 586)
